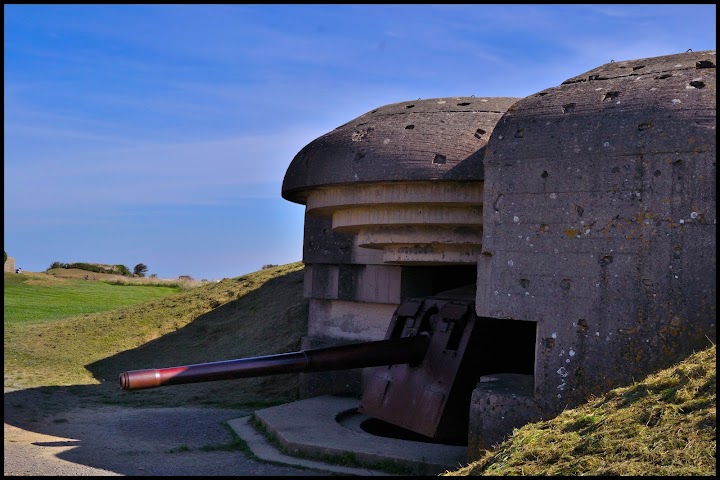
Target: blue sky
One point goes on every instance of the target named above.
(160, 134)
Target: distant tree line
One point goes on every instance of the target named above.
(138, 271)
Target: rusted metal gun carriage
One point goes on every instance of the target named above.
(421, 377)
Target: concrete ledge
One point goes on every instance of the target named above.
(311, 426)
(262, 449)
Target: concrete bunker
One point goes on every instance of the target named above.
(577, 208)
(495, 261)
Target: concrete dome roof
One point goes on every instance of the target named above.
(634, 107)
(432, 139)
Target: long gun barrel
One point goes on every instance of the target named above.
(410, 350)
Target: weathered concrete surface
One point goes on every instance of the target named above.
(499, 404)
(358, 321)
(433, 139)
(599, 223)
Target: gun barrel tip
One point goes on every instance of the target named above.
(124, 381)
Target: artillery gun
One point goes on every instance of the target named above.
(420, 377)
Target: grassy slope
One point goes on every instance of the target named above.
(664, 425)
(255, 314)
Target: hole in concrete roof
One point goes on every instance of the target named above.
(409, 127)
(479, 132)
(358, 156)
(544, 227)
(542, 94)
(565, 283)
(439, 159)
(409, 106)
(519, 133)
(663, 76)
(606, 260)
(358, 135)
(544, 174)
(524, 283)
(657, 173)
(463, 104)
(568, 108)
(645, 126)
(638, 67)
(593, 77)
(697, 84)
(704, 64)
(580, 210)
(610, 96)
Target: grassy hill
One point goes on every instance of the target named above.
(663, 425)
(255, 314)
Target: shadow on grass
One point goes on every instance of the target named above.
(139, 432)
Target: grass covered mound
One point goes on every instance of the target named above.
(664, 425)
(256, 314)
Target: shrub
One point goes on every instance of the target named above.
(122, 270)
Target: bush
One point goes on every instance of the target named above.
(122, 270)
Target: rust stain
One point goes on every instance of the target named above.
(571, 232)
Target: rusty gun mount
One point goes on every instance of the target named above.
(421, 379)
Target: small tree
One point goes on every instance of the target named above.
(140, 269)
(5, 259)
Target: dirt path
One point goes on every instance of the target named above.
(55, 434)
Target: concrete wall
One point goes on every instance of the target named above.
(600, 224)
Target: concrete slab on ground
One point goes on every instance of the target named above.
(329, 426)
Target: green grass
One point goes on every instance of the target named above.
(256, 314)
(32, 298)
(664, 425)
